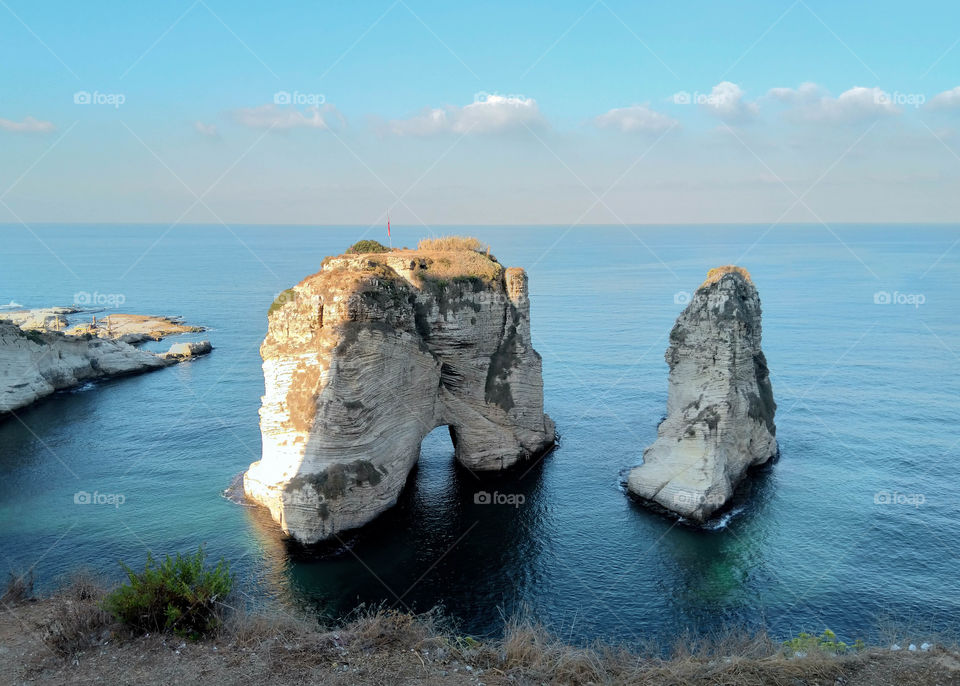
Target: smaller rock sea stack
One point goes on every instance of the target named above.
(720, 405)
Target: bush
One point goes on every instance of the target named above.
(367, 246)
(179, 594)
(19, 588)
(805, 644)
(453, 243)
(286, 296)
(78, 622)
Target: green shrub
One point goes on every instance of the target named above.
(180, 594)
(287, 296)
(367, 246)
(826, 642)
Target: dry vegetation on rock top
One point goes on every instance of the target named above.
(448, 258)
(718, 273)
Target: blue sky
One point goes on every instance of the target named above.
(560, 112)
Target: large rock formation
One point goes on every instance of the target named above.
(365, 358)
(720, 403)
(35, 363)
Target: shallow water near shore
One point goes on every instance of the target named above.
(857, 520)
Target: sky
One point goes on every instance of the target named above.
(561, 112)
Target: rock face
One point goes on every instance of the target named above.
(179, 351)
(34, 364)
(720, 404)
(365, 358)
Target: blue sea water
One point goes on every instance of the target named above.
(856, 523)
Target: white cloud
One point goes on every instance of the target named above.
(947, 99)
(28, 125)
(487, 114)
(209, 130)
(636, 118)
(273, 116)
(809, 103)
(726, 102)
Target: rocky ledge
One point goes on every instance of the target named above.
(720, 403)
(36, 361)
(365, 358)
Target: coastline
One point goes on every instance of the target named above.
(42, 351)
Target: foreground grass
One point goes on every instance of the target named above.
(69, 638)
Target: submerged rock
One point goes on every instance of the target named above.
(179, 351)
(365, 358)
(720, 403)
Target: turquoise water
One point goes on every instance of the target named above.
(867, 394)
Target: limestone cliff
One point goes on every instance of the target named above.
(365, 358)
(35, 363)
(720, 404)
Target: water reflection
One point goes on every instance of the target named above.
(455, 537)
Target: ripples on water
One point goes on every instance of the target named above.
(867, 399)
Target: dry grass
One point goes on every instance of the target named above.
(445, 243)
(717, 273)
(457, 257)
(451, 265)
(386, 646)
(78, 622)
(253, 631)
(19, 588)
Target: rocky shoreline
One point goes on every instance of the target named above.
(40, 353)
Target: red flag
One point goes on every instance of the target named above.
(388, 226)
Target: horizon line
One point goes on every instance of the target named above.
(504, 224)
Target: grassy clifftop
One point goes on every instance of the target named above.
(69, 638)
(447, 258)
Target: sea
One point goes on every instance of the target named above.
(855, 527)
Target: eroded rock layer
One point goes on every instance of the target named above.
(35, 363)
(363, 359)
(720, 405)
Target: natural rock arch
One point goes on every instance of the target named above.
(365, 358)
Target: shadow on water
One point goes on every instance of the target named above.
(455, 538)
